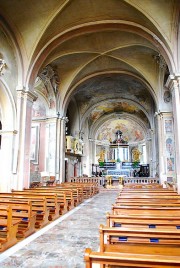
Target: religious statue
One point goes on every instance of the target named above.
(102, 156)
(136, 155)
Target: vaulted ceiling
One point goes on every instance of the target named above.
(106, 53)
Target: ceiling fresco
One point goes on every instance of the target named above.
(132, 132)
(112, 86)
(115, 106)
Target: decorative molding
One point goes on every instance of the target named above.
(160, 61)
(50, 78)
(4, 131)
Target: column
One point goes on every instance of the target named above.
(63, 121)
(162, 153)
(8, 180)
(58, 151)
(24, 118)
(173, 84)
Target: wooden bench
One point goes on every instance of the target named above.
(150, 195)
(50, 198)
(139, 235)
(39, 206)
(142, 190)
(77, 193)
(134, 256)
(143, 186)
(160, 211)
(136, 221)
(65, 198)
(148, 198)
(8, 228)
(87, 188)
(148, 204)
(22, 211)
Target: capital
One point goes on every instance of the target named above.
(173, 81)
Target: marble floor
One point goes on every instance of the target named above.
(61, 244)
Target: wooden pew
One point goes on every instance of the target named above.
(149, 190)
(39, 206)
(87, 188)
(159, 211)
(139, 235)
(148, 204)
(136, 243)
(143, 186)
(65, 198)
(152, 194)
(51, 201)
(8, 228)
(136, 221)
(165, 257)
(148, 198)
(22, 211)
(77, 193)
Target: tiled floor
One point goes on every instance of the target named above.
(61, 244)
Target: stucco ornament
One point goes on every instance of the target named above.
(50, 76)
(136, 155)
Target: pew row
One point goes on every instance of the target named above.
(65, 198)
(136, 221)
(128, 256)
(143, 186)
(159, 211)
(139, 235)
(39, 207)
(8, 228)
(22, 211)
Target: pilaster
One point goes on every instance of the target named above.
(173, 84)
(8, 181)
(62, 132)
(24, 118)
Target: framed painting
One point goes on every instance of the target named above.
(34, 147)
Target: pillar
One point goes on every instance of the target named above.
(62, 148)
(24, 118)
(8, 180)
(173, 84)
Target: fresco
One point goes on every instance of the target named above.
(113, 106)
(131, 131)
(168, 125)
(113, 86)
(39, 109)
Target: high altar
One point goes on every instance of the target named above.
(119, 166)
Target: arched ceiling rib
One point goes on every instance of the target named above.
(101, 50)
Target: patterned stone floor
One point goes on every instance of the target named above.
(63, 245)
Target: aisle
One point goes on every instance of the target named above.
(63, 244)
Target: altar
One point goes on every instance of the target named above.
(116, 173)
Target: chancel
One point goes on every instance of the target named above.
(121, 148)
(89, 117)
